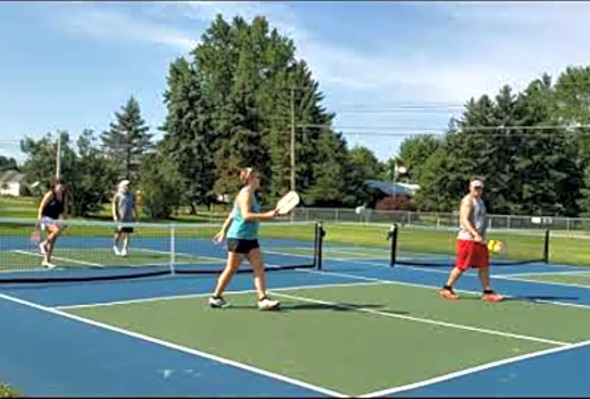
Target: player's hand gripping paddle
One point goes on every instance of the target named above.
(287, 203)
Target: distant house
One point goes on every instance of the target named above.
(11, 182)
(390, 189)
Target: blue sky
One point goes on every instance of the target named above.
(71, 65)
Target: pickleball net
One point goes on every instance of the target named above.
(85, 250)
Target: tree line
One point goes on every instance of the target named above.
(532, 148)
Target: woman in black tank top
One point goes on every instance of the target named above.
(53, 205)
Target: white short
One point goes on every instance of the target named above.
(47, 221)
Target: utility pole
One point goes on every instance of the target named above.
(58, 157)
(292, 139)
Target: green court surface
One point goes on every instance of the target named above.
(569, 278)
(355, 339)
(98, 257)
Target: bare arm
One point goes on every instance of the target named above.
(114, 208)
(220, 236)
(244, 201)
(227, 223)
(464, 213)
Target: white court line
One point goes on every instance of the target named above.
(177, 347)
(474, 369)
(565, 273)
(546, 282)
(429, 321)
(206, 294)
(59, 258)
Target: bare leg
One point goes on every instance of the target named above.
(456, 273)
(117, 239)
(54, 232)
(126, 237)
(255, 259)
(233, 262)
(484, 276)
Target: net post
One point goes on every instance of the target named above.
(546, 247)
(172, 249)
(319, 243)
(392, 236)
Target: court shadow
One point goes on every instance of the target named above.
(338, 307)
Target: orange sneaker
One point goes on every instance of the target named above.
(492, 297)
(448, 294)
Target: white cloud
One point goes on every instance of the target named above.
(104, 23)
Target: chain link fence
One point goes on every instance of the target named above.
(559, 226)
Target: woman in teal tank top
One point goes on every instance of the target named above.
(241, 230)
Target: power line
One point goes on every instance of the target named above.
(459, 128)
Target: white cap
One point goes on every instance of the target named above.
(124, 183)
(476, 183)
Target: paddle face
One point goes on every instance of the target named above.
(288, 202)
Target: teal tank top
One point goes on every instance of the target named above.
(241, 229)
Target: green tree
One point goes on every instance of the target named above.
(87, 174)
(246, 73)
(188, 138)
(7, 163)
(572, 108)
(527, 171)
(127, 139)
(93, 179)
(362, 165)
(414, 152)
(160, 185)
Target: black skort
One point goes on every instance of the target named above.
(241, 246)
(124, 230)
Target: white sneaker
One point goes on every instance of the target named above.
(48, 265)
(218, 302)
(268, 304)
(124, 252)
(116, 250)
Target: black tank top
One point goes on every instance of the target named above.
(54, 208)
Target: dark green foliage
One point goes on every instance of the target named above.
(7, 164)
(89, 177)
(127, 140)
(161, 186)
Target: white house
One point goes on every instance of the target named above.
(11, 182)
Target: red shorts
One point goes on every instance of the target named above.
(472, 254)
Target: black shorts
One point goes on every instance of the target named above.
(124, 230)
(240, 246)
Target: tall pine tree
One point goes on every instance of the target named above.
(188, 137)
(127, 140)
